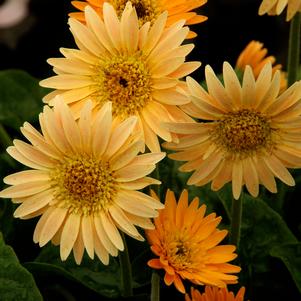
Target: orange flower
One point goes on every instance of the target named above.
(186, 243)
(215, 294)
(256, 56)
(276, 7)
(149, 10)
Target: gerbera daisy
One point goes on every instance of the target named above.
(251, 134)
(187, 245)
(82, 181)
(256, 56)
(149, 10)
(213, 293)
(276, 7)
(137, 68)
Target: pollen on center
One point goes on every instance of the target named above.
(126, 81)
(147, 10)
(84, 185)
(243, 132)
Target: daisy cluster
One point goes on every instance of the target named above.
(115, 98)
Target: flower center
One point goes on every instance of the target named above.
(84, 185)
(124, 80)
(243, 132)
(147, 10)
(179, 251)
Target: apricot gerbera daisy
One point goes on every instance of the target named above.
(149, 10)
(137, 68)
(276, 7)
(82, 181)
(187, 245)
(213, 293)
(251, 134)
(255, 55)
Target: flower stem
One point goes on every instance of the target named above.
(126, 270)
(236, 221)
(155, 293)
(294, 50)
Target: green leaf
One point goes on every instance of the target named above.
(20, 98)
(16, 283)
(102, 279)
(290, 254)
(263, 228)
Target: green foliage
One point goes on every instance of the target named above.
(16, 282)
(290, 254)
(20, 98)
(102, 279)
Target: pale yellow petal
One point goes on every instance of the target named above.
(33, 204)
(88, 235)
(250, 177)
(85, 36)
(66, 81)
(279, 170)
(26, 176)
(51, 225)
(237, 179)
(125, 202)
(69, 235)
(139, 183)
(79, 248)
(102, 129)
(248, 88)
(103, 237)
(120, 134)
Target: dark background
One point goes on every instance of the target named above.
(231, 25)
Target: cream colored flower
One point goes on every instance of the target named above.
(83, 180)
(276, 7)
(251, 133)
(136, 67)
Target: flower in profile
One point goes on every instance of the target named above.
(83, 180)
(256, 56)
(276, 7)
(213, 293)
(186, 242)
(251, 133)
(137, 68)
(149, 10)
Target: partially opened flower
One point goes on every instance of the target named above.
(149, 10)
(276, 7)
(83, 181)
(213, 293)
(251, 133)
(137, 68)
(256, 56)
(186, 242)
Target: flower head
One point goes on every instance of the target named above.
(215, 294)
(276, 7)
(136, 67)
(256, 56)
(149, 10)
(82, 181)
(186, 243)
(251, 134)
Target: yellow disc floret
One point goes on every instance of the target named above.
(84, 185)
